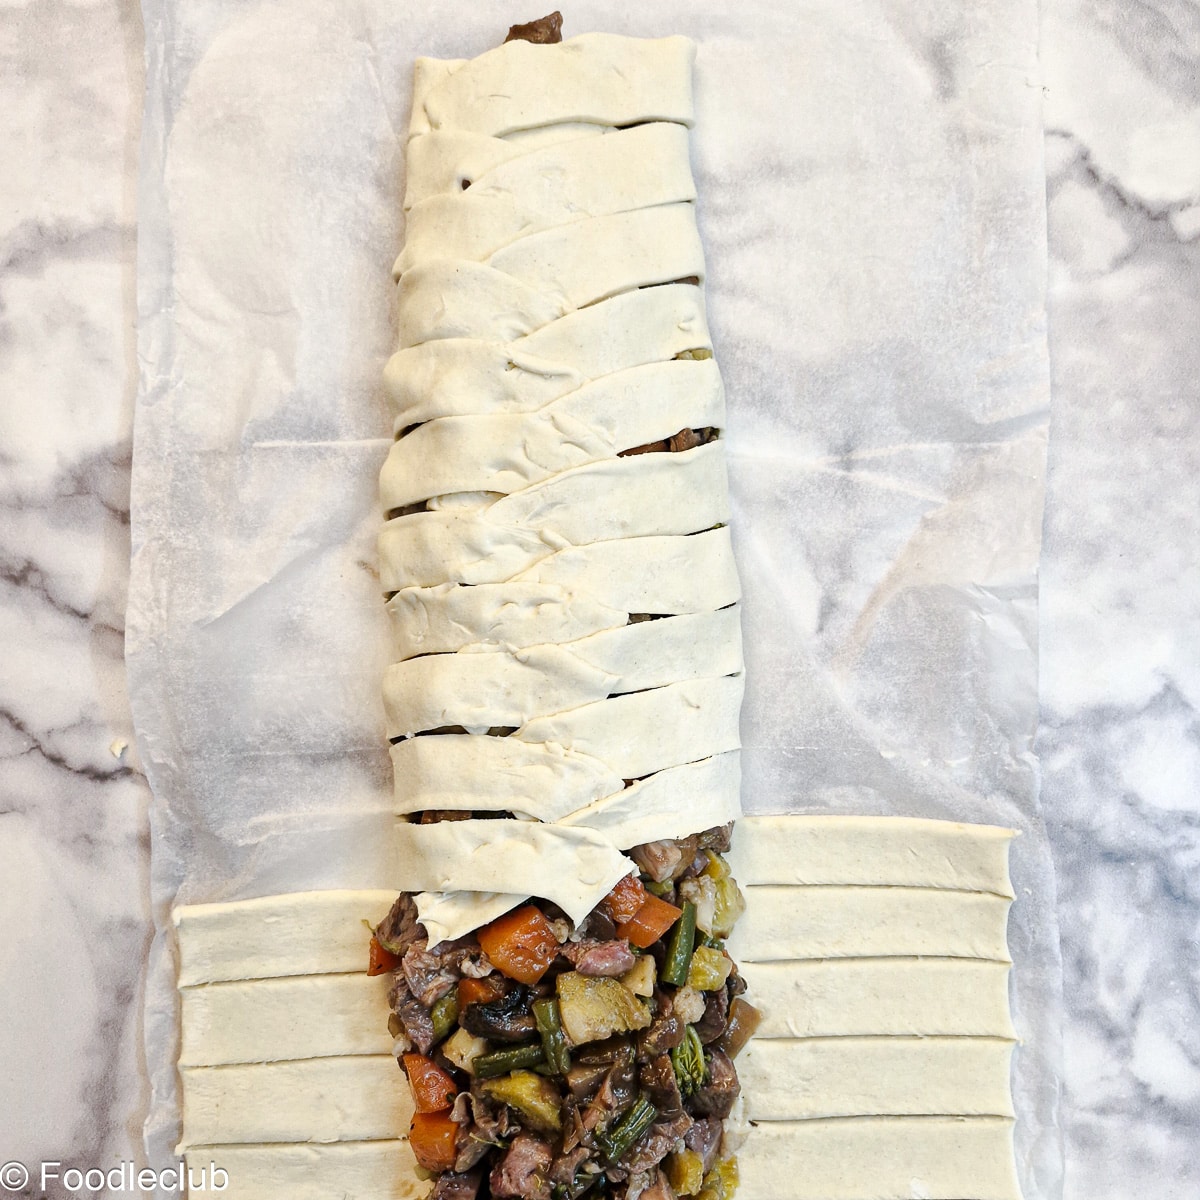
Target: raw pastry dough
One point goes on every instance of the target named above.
(799, 1079)
(591, 348)
(284, 1036)
(551, 319)
(311, 1099)
(875, 948)
(598, 78)
(301, 1016)
(378, 1170)
(505, 452)
(856, 922)
(898, 851)
(298, 934)
(840, 996)
(880, 1158)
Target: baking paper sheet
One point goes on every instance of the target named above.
(871, 202)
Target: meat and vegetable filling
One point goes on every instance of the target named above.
(554, 1062)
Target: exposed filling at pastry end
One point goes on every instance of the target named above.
(545, 31)
(550, 1061)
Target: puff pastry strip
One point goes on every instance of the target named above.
(375, 1170)
(300, 933)
(883, 1158)
(876, 996)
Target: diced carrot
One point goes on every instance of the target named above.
(650, 922)
(625, 899)
(434, 1140)
(380, 960)
(476, 991)
(520, 944)
(432, 1088)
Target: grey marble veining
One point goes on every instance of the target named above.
(1120, 743)
(73, 838)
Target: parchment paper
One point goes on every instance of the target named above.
(871, 201)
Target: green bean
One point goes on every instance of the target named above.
(444, 1014)
(680, 947)
(687, 1061)
(581, 1184)
(512, 1058)
(554, 1041)
(617, 1142)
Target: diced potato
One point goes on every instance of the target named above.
(533, 1096)
(639, 979)
(702, 892)
(463, 1048)
(689, 1005)
(709, 970)
(594, 1009)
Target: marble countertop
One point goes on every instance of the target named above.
(1120, 615)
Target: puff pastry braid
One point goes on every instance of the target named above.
(557, 559)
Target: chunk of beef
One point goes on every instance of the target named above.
(704, 1138)
(612, 1050)
(413, 1015)
(716, 1097)
(660, 447)
(566, 1166)
(573, 1132)
(476, 965)
(659, 1189)
(430, 975)
(584, 1078)
(487, 1124)
(615, 1094)
(401, 927)
(716, 1015)
(658, 1079)
(665, 1032)
(635, 1189)
(471, 1151)
(524, 1171)
(656, 1143)
(453, 1185)
(597, 959)
(717, 839)
(665, 859)
(685, 439)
